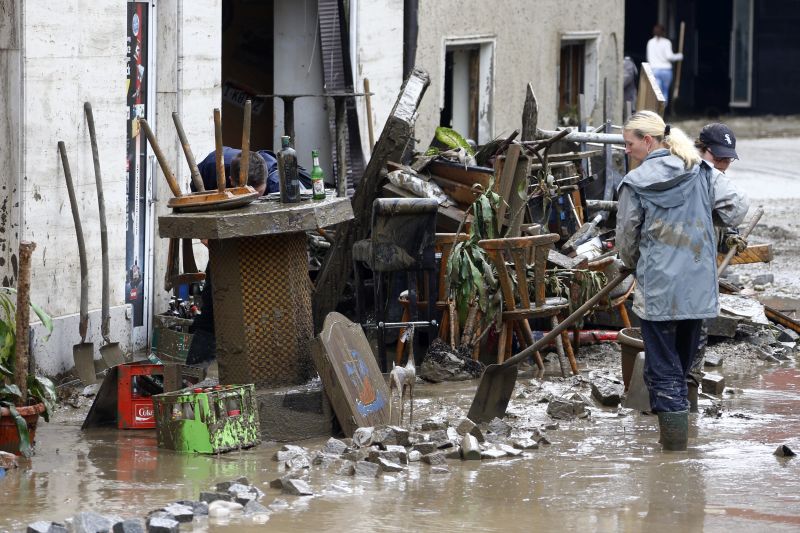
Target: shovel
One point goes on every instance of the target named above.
(497, 383)
(83, 353)
(109, 351)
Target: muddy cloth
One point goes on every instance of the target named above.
(665, 230)
(671, 346)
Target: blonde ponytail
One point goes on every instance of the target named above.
(679, 144)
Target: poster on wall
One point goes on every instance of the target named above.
(137, 81)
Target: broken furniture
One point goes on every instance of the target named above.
(261, 289)
(510, 254)
(443, 245)
(401, 241)
(350, 375)
(207, 420)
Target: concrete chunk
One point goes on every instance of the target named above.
(253, 507)
(607, 392)
(492, 453)
(509, 450)
(367, 469)
(424, 447)
(89, 522)
(414, 456)
(713, 384)
(389, 466)
(297, 487)
(713, 359)
(526, 444)
(280, 482)
(346, 468)
(131, 525)
(159, 524)
(181, 513)
(435, 458)
(334, 447)
(209, 497)
(470, 449)
(499, 427)
(433, 425)
(44, 526)
(440, 469)
(362, 437)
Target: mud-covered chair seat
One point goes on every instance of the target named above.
(402, 238)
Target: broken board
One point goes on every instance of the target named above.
(350, 374)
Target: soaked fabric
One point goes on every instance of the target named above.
(695, 375)
(671, 347)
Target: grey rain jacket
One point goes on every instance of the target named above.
(665, 230)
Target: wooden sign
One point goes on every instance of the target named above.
(350, 374)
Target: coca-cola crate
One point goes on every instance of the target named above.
(134, 395)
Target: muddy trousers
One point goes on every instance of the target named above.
(671, 347)
(695, 375)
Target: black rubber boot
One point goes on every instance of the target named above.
(674, 430)
(692, 396)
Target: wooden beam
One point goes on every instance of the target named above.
(395, 136)
(530, 115)
(756, 253)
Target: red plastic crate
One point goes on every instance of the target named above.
(135, 410)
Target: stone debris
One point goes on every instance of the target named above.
(359, 454)
(385, 435)
(43, 526)
(278, 504)
(131, 525)
(221, 508)
(334, 447)
(434, 459)
(297, 487)
(89, 522)
(414, 456)
(324, 459)
(784, 451)
(392, 456)
(509, 450)
(437, 436)
(367, 469)
(470, 449)
(433, 425)
(210, 497)
(280, 483)
(242, 493)
(297, 461)
(525, 444)
(199, 508)
(181, 513)
(162, 524)
(566, 409)
(389, 466)
(362, 437)
(499, 427)
(346, 468)
(713, 359)
(713, 384)
(440, 470)
(453, 452)
(424, 447)
(492, 453)
(253, 507)
(607, 392)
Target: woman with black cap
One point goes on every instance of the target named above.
(665, 233)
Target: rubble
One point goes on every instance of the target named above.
(713, 384)
(606, 391)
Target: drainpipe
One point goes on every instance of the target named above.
(410, 31)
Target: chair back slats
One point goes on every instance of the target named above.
(443, 243)
(518, 250)
(403, 233)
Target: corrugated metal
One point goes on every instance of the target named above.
(336, 72)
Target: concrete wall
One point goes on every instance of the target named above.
(53, 58)
(526, 38)
(298, 70)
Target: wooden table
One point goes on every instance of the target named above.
(261, 289)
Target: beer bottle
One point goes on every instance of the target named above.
(317, 180)
(287, 172)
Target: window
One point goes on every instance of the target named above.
(578, 74)
(742, 53)
(468, 88)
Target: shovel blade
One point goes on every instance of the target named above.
(112, 354)
(83, 356)
(494, 393)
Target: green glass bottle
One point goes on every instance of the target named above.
(317, 179)
(287, 173)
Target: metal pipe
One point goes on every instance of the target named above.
(400, 325)
(582, 136)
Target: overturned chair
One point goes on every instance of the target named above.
(402, 240)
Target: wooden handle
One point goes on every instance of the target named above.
(23, 321)
(83, 322)
(746, 233)
(162, 161)
(220, 155)
(105, 314)
(244, 162)
(676, 87)
(368, 102)
(197, 179)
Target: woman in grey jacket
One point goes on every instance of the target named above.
(665, 232)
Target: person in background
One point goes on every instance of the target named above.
(661, 57)
(262, 170)
(665, 234)
(716, 144)
(630, 74)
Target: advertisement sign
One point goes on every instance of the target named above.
(137, 87)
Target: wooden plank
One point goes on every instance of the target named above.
(396, 134)
(505, 176)
(462, 194)
(562, 261)
(649, 96)
(756, 253)
(350, 374)
(530, 115)
(460, 174)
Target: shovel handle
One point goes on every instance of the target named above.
(244, 162)
(567, 322)
(73, 203)
(105, 314)
(746, 233)
(187, 151)
(219, 154)
(162, 161)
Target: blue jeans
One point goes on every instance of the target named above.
(664, 79)
(671, 347)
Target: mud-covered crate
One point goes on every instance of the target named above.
(208, 420)
(171, 338)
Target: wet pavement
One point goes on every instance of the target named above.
(605, 472)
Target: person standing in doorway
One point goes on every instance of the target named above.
(661, 57)
(716, 145)
(665, 234)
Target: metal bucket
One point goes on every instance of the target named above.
(630, 343)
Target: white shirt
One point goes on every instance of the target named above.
(659, 53)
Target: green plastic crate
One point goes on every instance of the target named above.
(211, 421)
(170, 345)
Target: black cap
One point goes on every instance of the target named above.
(720, 140)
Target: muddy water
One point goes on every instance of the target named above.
(605, 473)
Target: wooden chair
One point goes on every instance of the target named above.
(442, 245)
(512, 253)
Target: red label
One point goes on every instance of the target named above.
(142, 412)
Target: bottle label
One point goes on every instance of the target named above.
(319, 187)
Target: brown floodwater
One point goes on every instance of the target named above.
(604, 473)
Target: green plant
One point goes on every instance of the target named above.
(40, 388)
(452, 139)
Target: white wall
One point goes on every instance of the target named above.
(298, 70)
(53, 58)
